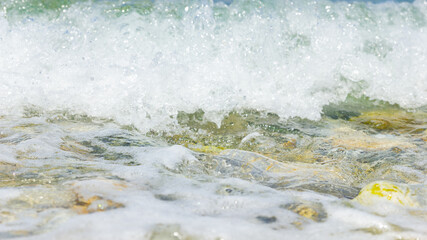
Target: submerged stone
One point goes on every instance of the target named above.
(384, 191)
(393, 120)
(169, 232)
(30, 128)
(6, 216)
(233, 123)
(126, 140)
(280, 175)
(352, 139)
(42, 198)
(206, 149)
(331, 188)
(228, 190)
(266, 219)
(73, 146)
(313, 211)
(94, 195)
(335, 113)
(94, 204)
(290, 144)
(378, 230)
(166, 197)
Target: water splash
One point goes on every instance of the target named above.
(142, 62)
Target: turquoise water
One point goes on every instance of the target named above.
(213, 119)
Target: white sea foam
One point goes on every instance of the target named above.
(291, 58)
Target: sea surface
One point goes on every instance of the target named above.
(224, 119)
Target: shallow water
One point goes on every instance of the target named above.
(213, 120)
(70, 176)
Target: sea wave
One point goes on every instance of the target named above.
(143, 62)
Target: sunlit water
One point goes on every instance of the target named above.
(213, 120)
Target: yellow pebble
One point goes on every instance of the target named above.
(380, 191)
